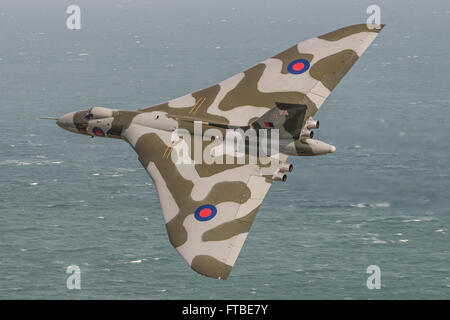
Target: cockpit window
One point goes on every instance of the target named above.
(89, 116)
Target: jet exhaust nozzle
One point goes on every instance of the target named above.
(279, 176)
(286, 167)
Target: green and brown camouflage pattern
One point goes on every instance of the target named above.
(236, 190)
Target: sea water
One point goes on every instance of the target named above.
(380, 200)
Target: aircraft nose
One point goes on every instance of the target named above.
(66, 121)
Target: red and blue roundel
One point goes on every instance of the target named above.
(298, 66)
(98, 132)
(205, 212)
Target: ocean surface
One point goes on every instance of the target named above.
(381, 199)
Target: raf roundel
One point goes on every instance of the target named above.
(298, 66)
(205, 212)
(98, 132)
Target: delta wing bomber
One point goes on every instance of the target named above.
(213, 154)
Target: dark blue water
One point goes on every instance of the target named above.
(381, 199)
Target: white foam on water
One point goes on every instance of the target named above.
(382, 205)
(412, 220)
(30, 162)
(136, 261)
(359, 205)
(116, 175)
(374, 238)
(371, 205)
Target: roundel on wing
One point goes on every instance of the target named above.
(98, 132)
(205, 212)
(298, 66)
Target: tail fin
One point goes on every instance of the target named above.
(286, 117)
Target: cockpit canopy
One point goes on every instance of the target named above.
(99, 113)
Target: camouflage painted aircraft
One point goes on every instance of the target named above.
(208, 209)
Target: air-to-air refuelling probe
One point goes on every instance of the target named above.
(209, 207)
